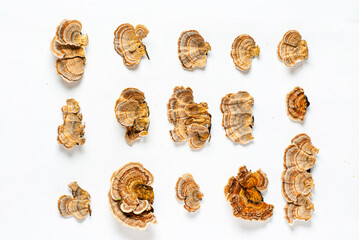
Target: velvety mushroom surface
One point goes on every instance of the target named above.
(243, 50)
(297, 104)
(292, 48)
(187, 190)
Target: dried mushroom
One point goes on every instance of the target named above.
(244, 194)
(292, 48)
(131, 196)
(187, 190)
(297, 104)
(68, 46)
(78, 205)
(128, 43)
(132, 112)
(243, 50)
(192, 50)
(297, 181)
(237, 116)
(191, 120)
(71, 132)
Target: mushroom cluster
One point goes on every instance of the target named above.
(244, 194)
(237, 116)
(132, 112)
(131, 196)
(68, 46)
(297, 104)
(243, 50)
(71, 132)
(77, 205)
(297, 182)
(128, 43)
(191, 120)
(187, 190)
(292, 48)
(192, 50)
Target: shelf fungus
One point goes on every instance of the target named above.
(68, 46)
(237, 116)
(297, 181)
(77, 205)
(297, 104)
(71, 132)
(128, 43)
(243, 50)
(132, 112)
(292, 48)
(192, 50)
(187, 190)
(244, 194)
(191, 120)
(131, 196)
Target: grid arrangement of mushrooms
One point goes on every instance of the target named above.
(131, 195)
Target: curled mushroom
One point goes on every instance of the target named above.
(297, 104)
(237, 116)
(187, 190)
(132, 112)
(243, 50)
(191, 120)
(128, 43)
(244, 194)
(71, 132)
(77, 205)
(292, 48)
(297, 182)
(69, 33)
(192, 50)
(131, 196)
(71, 69)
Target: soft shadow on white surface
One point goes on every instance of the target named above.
(299, 66)
(71, 152)
(129, 233)
(252, 225)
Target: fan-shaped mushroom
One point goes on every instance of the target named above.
(192, 50)
(71, 132)
(243, 193)
(297, 182)
(187, 190)
(68, 46)
(296, 104)
(292, 48)
(132, 112)
(131, 196)
(191, 120)
(243, 50)
(128, 43)
(78, 205)
(237, 116)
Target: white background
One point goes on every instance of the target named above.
(35, 170)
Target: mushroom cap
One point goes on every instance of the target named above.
(71, 69)
(243, 50)
(132, 112)
(128, 43)
(295, 183)
(69, 33)
(304, 142)
(292, 48)
(243, 193)
(298, 212)
(192, 50)
(66, 51)
(78, 192)
(237, 116)
(71, 132)
(187, 190)
(79, 208)
(294, 157)
(297, 104)
(62, 204)
(191, 120)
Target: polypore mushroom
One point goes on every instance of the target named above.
(296, 104)
(187, 190)
(243, 50)
(292, 48)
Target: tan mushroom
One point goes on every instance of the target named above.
(128, 43)
(304, 142)
(192, 50)
(243, 50)
(71, 69)
(295, 157)
(292, 48)
(71, 132)
(296, 104)
(243, 193)
(131, 196)
(69, 33)
(237, 116)
(296, 183)
(132, 112)
(187, 190)
(301, 211)
(191, 120)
